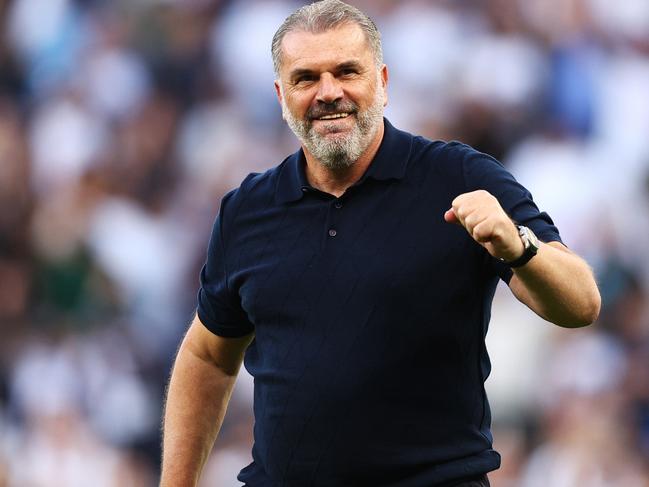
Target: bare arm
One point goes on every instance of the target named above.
(559, 286)
(201, 383)
(556, 284)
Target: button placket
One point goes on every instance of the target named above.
(334, 216)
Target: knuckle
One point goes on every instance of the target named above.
(483, 231)
(480, 236)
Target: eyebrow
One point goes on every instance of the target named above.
(296, 73)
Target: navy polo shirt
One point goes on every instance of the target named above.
(369, 313)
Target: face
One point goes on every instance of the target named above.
(332, 93)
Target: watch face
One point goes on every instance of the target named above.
(528, 237)
(531, 244)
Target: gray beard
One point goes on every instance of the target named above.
(340, 153)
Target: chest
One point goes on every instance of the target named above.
(383, 242)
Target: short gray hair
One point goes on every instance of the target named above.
(324, 15)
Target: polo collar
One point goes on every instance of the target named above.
(390, 162)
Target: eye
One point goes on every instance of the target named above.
(304, 79)
(348, 72)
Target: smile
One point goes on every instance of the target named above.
(334, 116)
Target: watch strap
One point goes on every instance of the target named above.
(530, 245)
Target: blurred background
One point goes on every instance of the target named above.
(122, 124)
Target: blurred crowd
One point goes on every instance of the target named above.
(123, 123)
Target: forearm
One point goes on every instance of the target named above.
(559, 286)
(556, 284)
(197, 398)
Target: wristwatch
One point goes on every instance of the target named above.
(531, 247)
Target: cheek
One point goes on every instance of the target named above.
(297, 104)
(366, 93)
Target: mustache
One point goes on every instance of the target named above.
(322, 109)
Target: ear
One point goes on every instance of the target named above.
(278, 91)
(384, 83)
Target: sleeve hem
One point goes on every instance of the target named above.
(550, 237)
(225, 330)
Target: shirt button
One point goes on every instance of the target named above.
(332, 233)
(338, 205)
(304, 190)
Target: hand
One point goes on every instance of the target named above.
(481, 215)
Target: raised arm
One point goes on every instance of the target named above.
(201, 383)
(556, 284)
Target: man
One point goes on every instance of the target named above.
(357, 278)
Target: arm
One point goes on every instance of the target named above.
(556, 284)
(201, 383)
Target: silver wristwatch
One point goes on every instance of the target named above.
(530, 244)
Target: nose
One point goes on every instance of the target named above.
(329, 89)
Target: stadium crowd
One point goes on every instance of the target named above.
(123, 123)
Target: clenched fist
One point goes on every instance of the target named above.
(481, 215)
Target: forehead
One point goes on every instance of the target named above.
(308, 50)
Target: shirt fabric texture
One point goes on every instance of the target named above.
(369, 313)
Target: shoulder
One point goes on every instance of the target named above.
(454, 166)
(256, 188)
(458, 156)
(448, 160)
(260, 183)
(448, 152)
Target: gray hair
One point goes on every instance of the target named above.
(322, 16)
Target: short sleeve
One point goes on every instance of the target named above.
(484, 172)
(219, 308)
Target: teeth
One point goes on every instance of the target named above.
(335, 115)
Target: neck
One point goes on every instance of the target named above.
(336, 182)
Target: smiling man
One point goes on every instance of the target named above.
(344, 127)
(357, 277)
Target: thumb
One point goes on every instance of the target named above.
(450, 217)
